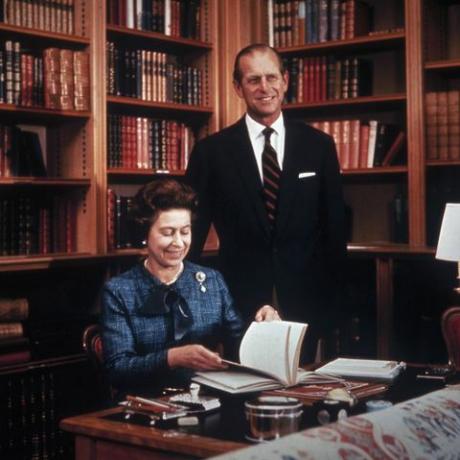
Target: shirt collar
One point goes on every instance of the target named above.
(255, 128)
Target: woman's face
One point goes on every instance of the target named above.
(169, 238)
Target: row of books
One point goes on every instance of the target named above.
(37, 224)
(362, 145)
(14, 346)
(297, 22)
(146, 143)
(121, 232)
(49, 15)
(56, 78)
(442, 109)
(177, 18)
(32, 404)
(321, 78)
(152, 76)
(21, 152)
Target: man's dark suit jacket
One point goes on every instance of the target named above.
(303, 257)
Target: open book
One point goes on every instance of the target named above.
(373, 369)
(269, 358)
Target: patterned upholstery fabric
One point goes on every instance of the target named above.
(423, 428)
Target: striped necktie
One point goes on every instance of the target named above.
(271, 173)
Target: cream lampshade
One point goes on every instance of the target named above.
(449, 236)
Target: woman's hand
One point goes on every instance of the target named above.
(195, 357)
(267, 313)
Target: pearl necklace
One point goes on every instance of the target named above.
(171, 281)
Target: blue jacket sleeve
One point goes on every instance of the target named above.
(124, 365)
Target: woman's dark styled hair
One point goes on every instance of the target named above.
(161, 195)
(255, 47)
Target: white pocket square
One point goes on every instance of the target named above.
(302, 175)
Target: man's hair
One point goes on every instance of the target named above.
(261, 47)
(161, 195)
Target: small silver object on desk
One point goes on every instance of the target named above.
(193, 402)
(271, 417)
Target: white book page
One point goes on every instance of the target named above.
(231, 380)
(363, 368)
(297, 334)
(265, 347)
(355, 364)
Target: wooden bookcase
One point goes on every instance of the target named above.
(65, 286)
(68, 148)
(199, 53)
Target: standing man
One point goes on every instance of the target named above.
(272, 188)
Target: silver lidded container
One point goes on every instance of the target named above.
(270, 417)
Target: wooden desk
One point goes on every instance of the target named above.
(97, 438)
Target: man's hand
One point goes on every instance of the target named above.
(195, 357)
(267, 313)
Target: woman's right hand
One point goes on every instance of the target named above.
(195, 357)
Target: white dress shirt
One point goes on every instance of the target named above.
(257, 140)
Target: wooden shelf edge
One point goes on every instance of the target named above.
(144, 172)
(47, 261)
(438, 163)
(374, 170)
(389, 249)
(42, 111)
(39, 33)
(180, 41)
(44, 181)
(365, 100)
(134, 252)
(43, 363)
(364, 40)
(443, 64)
(170, 106)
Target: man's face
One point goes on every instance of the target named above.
(262, 86)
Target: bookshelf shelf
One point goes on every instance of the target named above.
(40, 114)
(128, 252)
(442, 163)
(44, 262)
(376, 102)
(377, 42)
(43, 182)
(448, 67)
(43, 363)
(375, 171)
(166, 107)
(142, 173)
(46, 38)
(392, 249)
(160, 41)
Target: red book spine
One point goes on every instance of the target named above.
(14, 357)
(354, 145)
(363, 146)
(346, 144)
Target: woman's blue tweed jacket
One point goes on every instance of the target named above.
(136, 339)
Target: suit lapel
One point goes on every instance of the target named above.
(246, 166)
(288, 178)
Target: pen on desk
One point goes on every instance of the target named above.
(159, 404)
(371, 391)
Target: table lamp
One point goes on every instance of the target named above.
(449, 237)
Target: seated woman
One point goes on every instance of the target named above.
(162, 319)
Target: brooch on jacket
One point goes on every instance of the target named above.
(201, 278)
